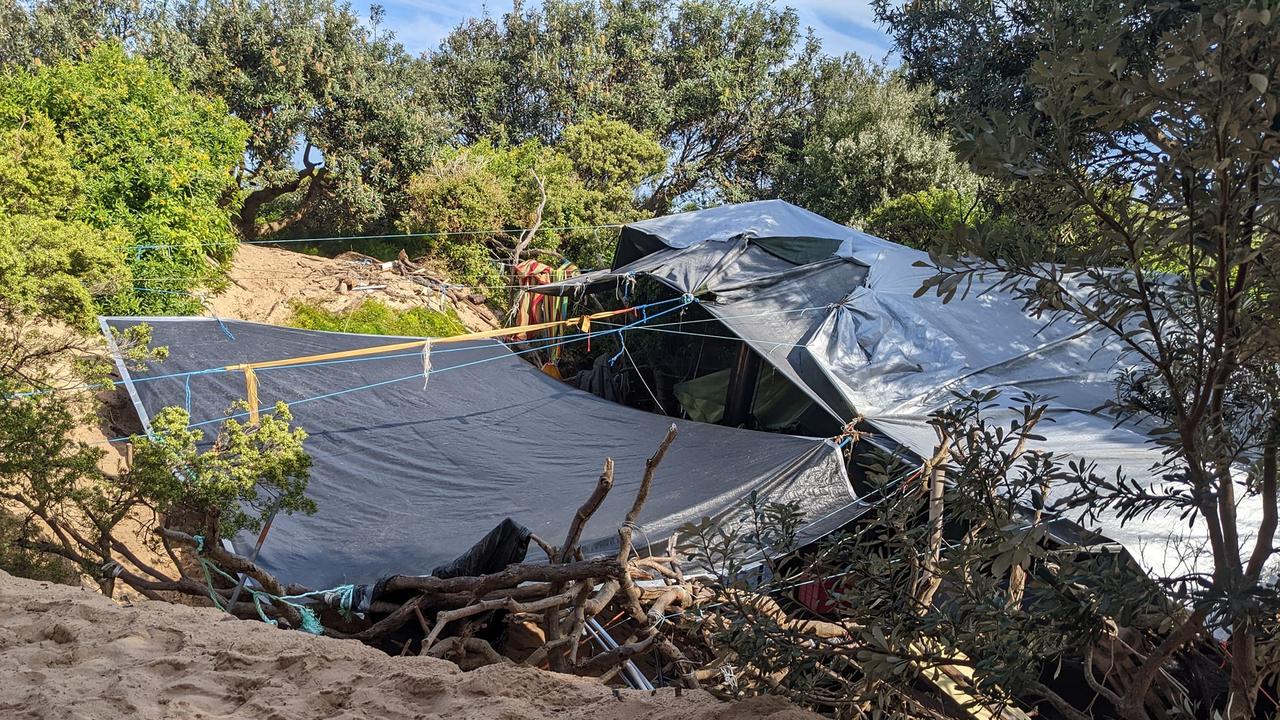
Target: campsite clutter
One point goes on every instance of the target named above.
(407, 477)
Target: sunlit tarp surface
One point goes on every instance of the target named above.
(841, 321)
(407, 478)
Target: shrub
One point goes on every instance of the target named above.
(373, 317)
(922, 219)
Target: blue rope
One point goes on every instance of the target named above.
(187, 400)
(370, 386)
(310, 622)
(343, 596)
(223, 326)
(644, 309)
(622, 341)
(113, 383)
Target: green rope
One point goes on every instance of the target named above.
(310, 621)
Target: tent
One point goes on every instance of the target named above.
(834, 310)
(408, 477)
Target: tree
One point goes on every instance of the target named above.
(490, 192)
(1178, 170)
(866, 139)
(151, 174)
(710, 79)
(950, 576)
(49, 31)
(317, 87)
(53, 270)
(975, 57)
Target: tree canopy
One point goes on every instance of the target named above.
(110, 143)
(337, 120)
(489, 192)
(709, 78)
(1177, 169)
(866, 139)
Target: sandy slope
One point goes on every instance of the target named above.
(68, 653)
(265, 280)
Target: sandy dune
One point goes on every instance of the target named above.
(264, 281)
(69, 653)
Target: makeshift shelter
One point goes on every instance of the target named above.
(834, 310)
(408, 477)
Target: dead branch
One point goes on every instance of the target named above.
(604, 595)
(510, 577)
(448, 616)
(584, 513)
(608, 659)
(551, 621)
(467, 647)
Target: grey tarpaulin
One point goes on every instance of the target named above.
(834, 310)
(407, 479)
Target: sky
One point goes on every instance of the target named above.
(842, 25)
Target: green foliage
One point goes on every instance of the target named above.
(1173, 152)
(150, 168)
(710, 79)
(373, 317)
(58, 270)
(591, 179)
(923, 219)
(248, 473)
(47, 32)
(51, 266)
(978, 55)
(36, 174)
(867, 140)
(610, 155)
(311, 80)
(993, 554)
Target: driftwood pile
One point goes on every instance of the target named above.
(365, 272)
(565, 602)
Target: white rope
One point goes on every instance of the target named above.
(426, 362)
(656, 402)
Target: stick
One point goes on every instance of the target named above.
(510, 577)
(448, 616)
(580, 518)
(551, 621)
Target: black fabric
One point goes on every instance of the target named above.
(799, 250)
(407, 479)
(602, 381)
(634, 244)
(502, 546)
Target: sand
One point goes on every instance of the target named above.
(69, 653)
(264, 281)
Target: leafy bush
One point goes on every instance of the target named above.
(118, 150)
(249, 471)
(374, 318)
(922, 219)
(590, 179)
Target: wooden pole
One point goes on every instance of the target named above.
(742, 387)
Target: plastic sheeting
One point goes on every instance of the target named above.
(408, 479)
(848, 330)
(776, 405)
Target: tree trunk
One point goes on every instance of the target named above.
(1242, 693)
(247, 220)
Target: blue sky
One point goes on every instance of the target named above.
(842, 26)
